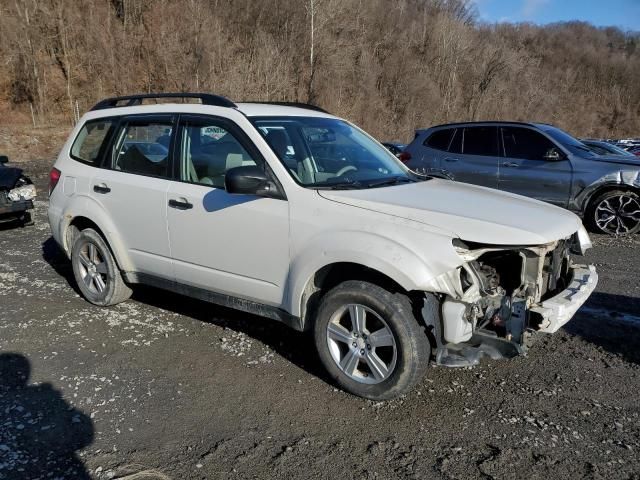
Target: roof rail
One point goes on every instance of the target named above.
(131, 100)
(306, 106)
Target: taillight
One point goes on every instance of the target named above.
(54, 178)
(404, 157)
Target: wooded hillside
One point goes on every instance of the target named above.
(389, 65)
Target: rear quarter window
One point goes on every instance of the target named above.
(440, 139)
(90, 142)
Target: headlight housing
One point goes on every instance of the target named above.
(581, 241)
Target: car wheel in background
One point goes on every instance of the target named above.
(616, 212)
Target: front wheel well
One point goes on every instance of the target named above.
(333, 274)
(607, 188)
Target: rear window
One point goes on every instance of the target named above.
(440, 140)
(89, 143)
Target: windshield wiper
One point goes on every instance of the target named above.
(345, 184)
(389, 181)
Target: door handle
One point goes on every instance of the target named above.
(180, 204)
(450, 160)
(101, 188)
(510, 164)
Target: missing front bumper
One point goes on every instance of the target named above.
(553, 314)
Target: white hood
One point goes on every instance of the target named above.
(473, 213)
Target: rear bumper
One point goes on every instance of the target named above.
(560, 309)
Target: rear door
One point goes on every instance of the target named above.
(473, 156)
(232, 244)
(525, 170)
(133, 190)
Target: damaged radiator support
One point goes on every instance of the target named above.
(493, 317)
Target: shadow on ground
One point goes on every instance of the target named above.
(611, 322)
(40, 431)
(54, 256)
(297, 347)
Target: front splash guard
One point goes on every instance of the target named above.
(481, 344)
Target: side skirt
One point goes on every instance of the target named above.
(255, 308)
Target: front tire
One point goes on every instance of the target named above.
(616, 212)
(96, 271)
(369, 340)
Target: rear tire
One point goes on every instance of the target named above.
(96, 271)
(369, 340)
(616, 212)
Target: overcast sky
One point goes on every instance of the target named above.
(620, 13)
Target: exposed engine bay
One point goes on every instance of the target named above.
(500, 296)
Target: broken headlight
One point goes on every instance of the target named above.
(25, 192)
(580, 241)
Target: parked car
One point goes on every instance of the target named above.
(605, 148)
(16, 194)
(315, 224)
(397, 149)
(539, 161)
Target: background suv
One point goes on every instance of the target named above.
(539, 161)
(290, 213)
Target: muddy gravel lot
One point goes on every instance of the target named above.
(181, 389)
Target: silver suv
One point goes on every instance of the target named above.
(298, 216)
(539, 161)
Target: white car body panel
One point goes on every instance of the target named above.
(472, 213)
(138, 206)
(232, 244)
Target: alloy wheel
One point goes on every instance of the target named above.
(361, 344)
(93, 268)
(618, 214)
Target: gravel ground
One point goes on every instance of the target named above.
(177, 388)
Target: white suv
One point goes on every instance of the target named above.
(290, 213)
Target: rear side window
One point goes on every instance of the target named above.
(440, 140)
(481, 141)
(525, 143)
(142, 147)
(90, 142)
(456, 142)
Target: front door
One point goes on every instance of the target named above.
(133, 189)
(232, 244)
(525, 170)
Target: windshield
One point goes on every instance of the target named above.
(330, 153)
(613, 149)
(572, 144)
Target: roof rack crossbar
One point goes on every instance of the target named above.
(306, 106)
(132, 100)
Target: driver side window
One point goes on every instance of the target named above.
(207, 150)
(525, 143)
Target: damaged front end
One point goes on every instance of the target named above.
(17, 193)
(494, 302)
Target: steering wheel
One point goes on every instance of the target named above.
(346, 169)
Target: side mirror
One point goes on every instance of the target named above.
(553, 155)
(4, 159)
(250, 180)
